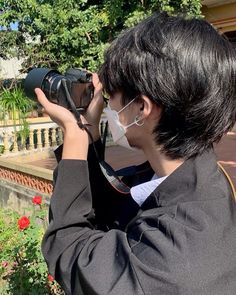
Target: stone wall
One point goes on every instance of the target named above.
(18, 197)
(20, 182)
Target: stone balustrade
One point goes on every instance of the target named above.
(14, 142)
(43, 134)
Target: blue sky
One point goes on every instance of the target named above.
(13, 26)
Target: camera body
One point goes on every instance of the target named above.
(78, 82)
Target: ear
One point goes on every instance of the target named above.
(149, 109)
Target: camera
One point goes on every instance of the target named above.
(75, 82)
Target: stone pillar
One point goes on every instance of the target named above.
(39, 138)
(31, 139)
(46, 138)
(5, 142)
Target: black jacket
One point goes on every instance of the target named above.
(182, 241)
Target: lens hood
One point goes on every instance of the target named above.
(35, 79)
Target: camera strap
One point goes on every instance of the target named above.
(106, 169)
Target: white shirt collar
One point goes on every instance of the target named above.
(141, 191)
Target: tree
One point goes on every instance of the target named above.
(62, 34)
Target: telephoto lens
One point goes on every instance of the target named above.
(78, 84)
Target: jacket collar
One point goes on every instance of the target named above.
(182, 184)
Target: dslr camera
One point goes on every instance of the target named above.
(76, 82)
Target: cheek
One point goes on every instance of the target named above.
(127, 117)
(123, 119)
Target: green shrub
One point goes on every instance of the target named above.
(23, 270)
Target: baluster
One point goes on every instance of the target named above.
(54, 142)
(46, 138)
(39, 138)
(31, 139)
(6, 142)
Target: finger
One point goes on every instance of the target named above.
(96, 81)
(41, 97)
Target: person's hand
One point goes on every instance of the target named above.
(95, 108)
(58, 114)
(75, 139)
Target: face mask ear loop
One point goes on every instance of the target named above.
(126, 105)
(137, 119)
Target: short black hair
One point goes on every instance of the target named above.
(186, 67)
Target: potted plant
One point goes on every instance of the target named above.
(15, 106)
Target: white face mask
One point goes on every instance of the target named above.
(118, 130)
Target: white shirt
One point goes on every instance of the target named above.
(141, 191)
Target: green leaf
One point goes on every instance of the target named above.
(63, 34)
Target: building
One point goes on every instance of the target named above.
(9, 69)
(222, 15)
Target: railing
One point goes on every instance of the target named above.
(37, 139)
(43, 134)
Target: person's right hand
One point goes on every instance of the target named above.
(60, 115)
(75, 143)
(95, 108)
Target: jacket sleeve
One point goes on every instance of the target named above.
(111, 208)
(82, 259)
(100, 188)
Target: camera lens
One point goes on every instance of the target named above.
(51, 85)
(78, 84)
(40, 78)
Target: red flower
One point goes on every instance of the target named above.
(23, 223)
(37, 200)
(50, 278)
(4, 264)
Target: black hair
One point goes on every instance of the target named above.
(186, 67)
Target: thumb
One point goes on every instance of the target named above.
(42, 99)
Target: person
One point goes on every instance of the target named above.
(171, 86)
